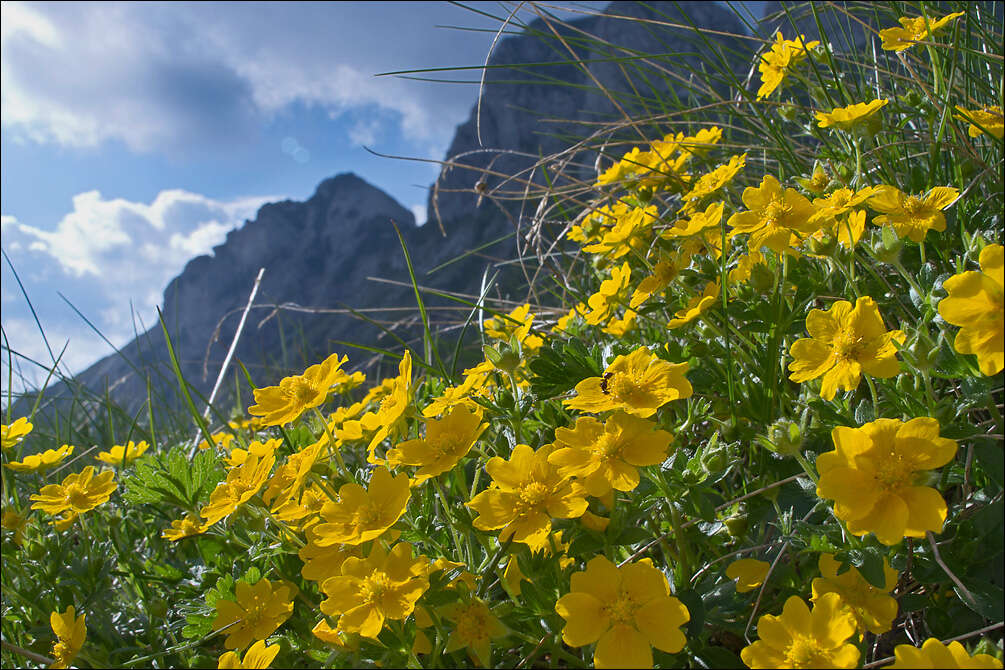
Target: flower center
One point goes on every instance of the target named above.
(893, 472)
(608, 448)
(774, 212)
(302, 391)
(820, 180)
(77, 496)
(914, 205)
(473, 623)
(622, 610)
(532, 495)
(62, 653)
(375, 586)
(368, 515)
(847, 345)
(803, 653)
(624, 388)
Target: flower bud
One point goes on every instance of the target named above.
(887, 248)
(822, 246)
(784, 438)
(736, 525)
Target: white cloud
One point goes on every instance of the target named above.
(119, 254)
(166, 77)
(419, 211)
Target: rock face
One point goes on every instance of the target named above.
(320, 252)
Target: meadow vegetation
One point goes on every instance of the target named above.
(749, 413)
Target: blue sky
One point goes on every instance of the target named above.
(135, 135)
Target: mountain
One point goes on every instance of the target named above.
(320, 253)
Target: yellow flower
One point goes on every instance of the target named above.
(182, 528)
(975, 303)
(447, 441)
(664, 272)
(130, 452)
(513, 575)
(843, 343)
(527, 493)
(876, 474)
(627, 611)
(873, 607)
(989, 119)
(579, 310)
(242, 483)
(696, 306)
(846, 118)
(638, 383)
(15, 523)
(320, 563)
(474, 627)
(630, 231)
(14, 433)
(595, 222)
(362, 514)
(288, 480)
(749, 573)
(77, 494)
(745, 266)
(220, 439)
(817, 183)
(911, 215)
(606, 455)
(70, 635)
(934, 654)
(257, 657)
(803, 639)
(776, 219)
(775, 64)
(503, 328)
(41, 462)
(913, 29)
(261, 450)
(612, 293)
(259, 610)
(384, 586)
(836, 214)
(284, 403)
(390, 416)
(709, 183)
(626, 168)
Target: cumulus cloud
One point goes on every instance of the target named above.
(119, 254)
(165, 77)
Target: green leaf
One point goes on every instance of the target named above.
(988, 599)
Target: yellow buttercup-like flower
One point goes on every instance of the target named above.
(41, 462)
(362, 514)
(988, 119)
(748, 573)
(70, 633)
(612, 293)
(631, 230)
(846, 118)
(638, 383)
(913, 215)
(14, 433)
(975, 303)
(119, 454)
(15, 523)
(627, 611)
(502, 328)
(258, 656)
(783, 55)
(383, 586)
(242, 483)
(606, 455)
(876, 476)
(284, 403)
(259, 609)
(776, 218)
(837, 214)
(845, 342)
(934, 654)
(873, 607)
(387, 421)
(800, 638)
(696, 306)
(77, 494)
(711, 182)
(913, 29)
(664, 272)
(447, 441)
(474, 628)
(527, 493)
(182, 528)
